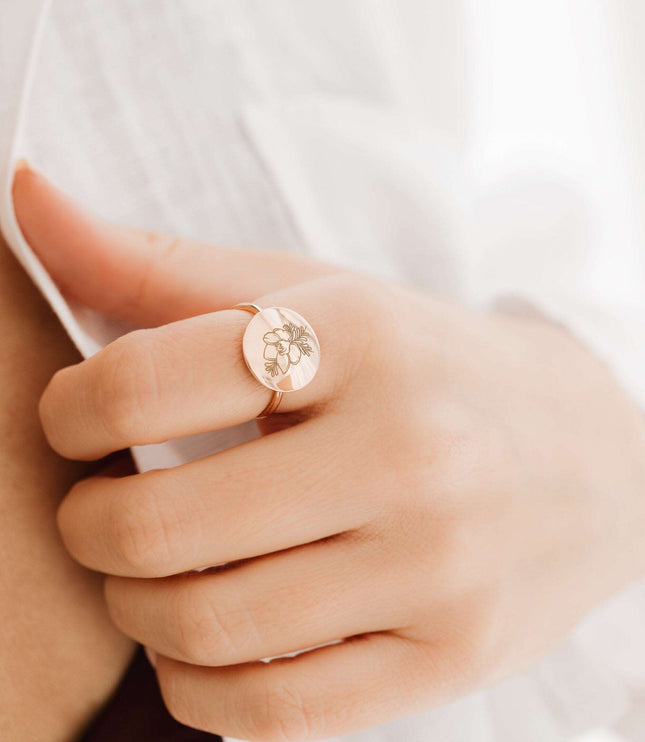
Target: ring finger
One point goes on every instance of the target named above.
(270, 606)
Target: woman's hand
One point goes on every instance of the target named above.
(449, 496)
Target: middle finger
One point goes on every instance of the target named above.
(262, 496)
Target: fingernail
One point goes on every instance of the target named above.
(152, 656)
(21, 164)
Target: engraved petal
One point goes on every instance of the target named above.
(283, 334)
(270, 352)
(283, 363)
(294, 353)
(271, 338)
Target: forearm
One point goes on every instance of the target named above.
(60, 658)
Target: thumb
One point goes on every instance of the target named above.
(143, 278)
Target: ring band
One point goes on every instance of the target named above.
(276, 397)
(281, 351)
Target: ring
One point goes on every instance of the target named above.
(281, 350)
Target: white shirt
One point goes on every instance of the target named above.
(474, 148)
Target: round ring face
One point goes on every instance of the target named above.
(281, 350)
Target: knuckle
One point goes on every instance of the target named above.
(460, 434)
(468, 451)
(48, 399)
(459, 448)
(177, 702)
(140, 535)
(50, 405)
(71, 532)
(128, 386)
(358, 314)
(456, 540)
(366, 309)
(453, 568)
(279, 714)
(209, 634)
(477, 652)
(198, 623)
(162, 250)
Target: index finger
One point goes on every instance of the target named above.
(144, 278)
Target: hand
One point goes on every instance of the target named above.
(449, 496)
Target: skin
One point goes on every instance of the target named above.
(60, 656)
(448, 497)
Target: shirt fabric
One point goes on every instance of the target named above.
(473, 148)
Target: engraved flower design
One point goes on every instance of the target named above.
(284, 348)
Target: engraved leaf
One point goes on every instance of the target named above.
(272, 367)
(296, 334)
